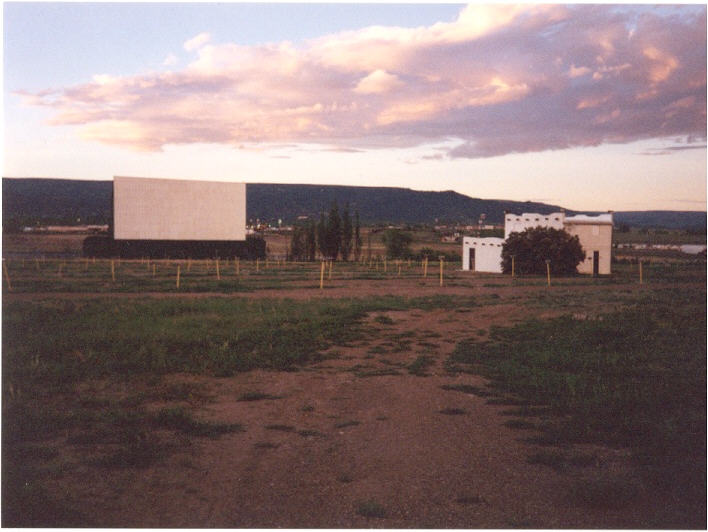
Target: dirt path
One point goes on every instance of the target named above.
(342, 442)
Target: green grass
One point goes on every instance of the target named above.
(64, 341)
(635, 377)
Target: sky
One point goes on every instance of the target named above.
(591, 107)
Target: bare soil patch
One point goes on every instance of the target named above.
(356, 440)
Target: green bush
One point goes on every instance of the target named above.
(533, 247)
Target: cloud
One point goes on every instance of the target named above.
(197, 42)
(377, 82)
(499, 79)
(170, 60)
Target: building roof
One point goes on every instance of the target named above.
(601, 219)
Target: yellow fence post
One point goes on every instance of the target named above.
(548, 271)
(442, 266)
(512, 266)
(218, 275)
(178, 276)
(329, 276)
(113, 271)
(641, 277)
(322, 269)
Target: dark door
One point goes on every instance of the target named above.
(472, 250)
(595, 263)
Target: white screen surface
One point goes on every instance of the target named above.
(170, 209)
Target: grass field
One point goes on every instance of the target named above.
(111, 369)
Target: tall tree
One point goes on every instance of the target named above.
(347, 233)
(333, 231)
(397, 244)
(321, 231)
(357, 237)
(311, 240)
(297, 244)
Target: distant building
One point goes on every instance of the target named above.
(593, 232)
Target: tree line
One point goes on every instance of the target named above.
(336, 235)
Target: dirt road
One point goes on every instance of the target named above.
(358, 441)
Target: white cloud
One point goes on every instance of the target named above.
(170, 60)
(377, 82)
(197, 42)
(498, 80)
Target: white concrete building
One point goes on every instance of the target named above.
(482, 254)
(593, 232)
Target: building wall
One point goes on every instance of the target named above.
(593, 237)
(593, 232)
(487, 253)
(515, 223)
(169, 209)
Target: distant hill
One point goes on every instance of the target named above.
(27, 201)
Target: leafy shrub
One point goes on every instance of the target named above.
(533, 247)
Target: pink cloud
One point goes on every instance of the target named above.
(500, 79)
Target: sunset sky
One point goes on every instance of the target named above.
(592, 107)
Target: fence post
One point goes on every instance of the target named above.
(442, 263)
(641, 277)
(548, 271)
(113, 271)
(322, 269)
(178, 276)
(7, 276)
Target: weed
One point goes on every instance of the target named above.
(377, 350)
(176, 418)
(257, 396)
(466, 388)
(308, 433)
(453, 411)
(370, 508)
(519, 424)
(469, 499)
(283, 428)
(383, 320)
(265, 445)
(344, 424)
(603, 493)
(420, 365)
(345, 478)
(553, 459)
(308, 408)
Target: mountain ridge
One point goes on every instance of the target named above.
(27, 201)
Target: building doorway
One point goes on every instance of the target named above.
(595, 263)
(471, 257)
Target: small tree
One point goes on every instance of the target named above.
(532, 247)
(397, 244)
